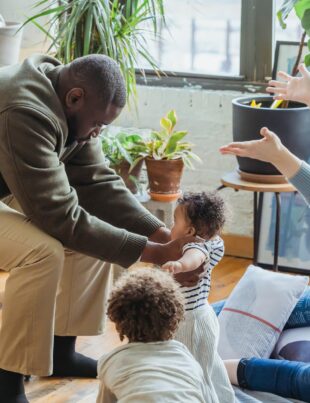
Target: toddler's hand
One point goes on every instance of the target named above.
(173, 267)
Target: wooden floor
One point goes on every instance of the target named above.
(44, 390)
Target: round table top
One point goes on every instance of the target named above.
(233, 180)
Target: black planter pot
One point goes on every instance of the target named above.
(291, 124)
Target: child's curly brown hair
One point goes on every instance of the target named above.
(146, 305)
(206, 211)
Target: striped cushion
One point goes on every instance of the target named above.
(256, 312)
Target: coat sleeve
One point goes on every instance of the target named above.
(33, 172)
(103, 193)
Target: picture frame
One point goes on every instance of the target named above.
(285, 56)
(294, 243)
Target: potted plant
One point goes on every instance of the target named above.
(10, 40)
(115, 28)
(291, 121)
(123, 152)
(165, 157)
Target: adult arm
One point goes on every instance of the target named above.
(31, 168)
(270, 149)
(103, 194)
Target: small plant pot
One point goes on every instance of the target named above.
(290, 124)
(123, 171)
(10, 41)
(164, 178)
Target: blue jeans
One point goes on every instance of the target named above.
(289, 379)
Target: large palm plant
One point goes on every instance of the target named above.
(116, 28)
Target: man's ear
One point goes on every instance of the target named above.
(75, 98)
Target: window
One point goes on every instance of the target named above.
(201, 37)
(225, 44)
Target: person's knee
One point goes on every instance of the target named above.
(51, 253)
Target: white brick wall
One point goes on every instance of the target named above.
(207, 115)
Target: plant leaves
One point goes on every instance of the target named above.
(305, 21)
(301, 6)
(285, 9)
(307, 59)
(166, 124)
(174, 139)
(171, 115)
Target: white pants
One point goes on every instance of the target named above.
(200, 334)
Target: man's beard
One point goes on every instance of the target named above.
(72, 130)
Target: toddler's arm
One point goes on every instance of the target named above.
(190, 260)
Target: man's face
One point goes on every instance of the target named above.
(86, 118)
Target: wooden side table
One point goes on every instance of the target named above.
(233, 180)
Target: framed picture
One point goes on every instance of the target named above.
(285, 56)
(294, 245)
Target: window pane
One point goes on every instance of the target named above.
(202, 36)
(293, 31)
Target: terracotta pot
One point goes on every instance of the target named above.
(164, 178)
(290, 124)
(123, 171)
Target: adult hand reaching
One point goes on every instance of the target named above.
(268, 149)
(161, 235)
(265, 149)
(292, 88)
(159, 254)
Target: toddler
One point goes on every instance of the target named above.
(146, 307)
(203, 215)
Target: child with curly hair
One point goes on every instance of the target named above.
(147, 307)
(201, 214)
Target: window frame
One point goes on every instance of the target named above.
(256, 56)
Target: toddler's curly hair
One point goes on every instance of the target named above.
(146, 305)
(206, 211)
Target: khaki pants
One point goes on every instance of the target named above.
(49, 291)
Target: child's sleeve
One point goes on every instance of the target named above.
(199, 246)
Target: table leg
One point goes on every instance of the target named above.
(220, 187)
(277, 231)
(255, 228)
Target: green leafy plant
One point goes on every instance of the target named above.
(121, 147)
(112, 27)
(302, 10)
(167, 143)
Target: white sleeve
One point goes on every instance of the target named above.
(199, 246)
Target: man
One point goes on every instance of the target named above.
(57, 193)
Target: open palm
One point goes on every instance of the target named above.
(293, 88)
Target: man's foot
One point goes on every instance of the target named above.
(12, 387)
(67, 362)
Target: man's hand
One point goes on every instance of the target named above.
(161, 235)
(159, 254)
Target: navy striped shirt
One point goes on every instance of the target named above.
(196, 296)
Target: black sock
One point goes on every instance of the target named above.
(12, 387)
(69, 363)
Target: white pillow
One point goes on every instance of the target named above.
(293, 345)
(256, 312)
